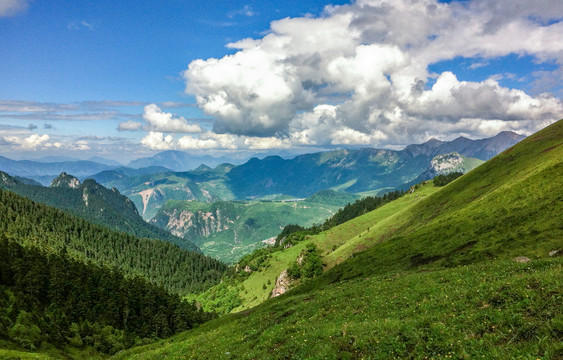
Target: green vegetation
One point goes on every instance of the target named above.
(51, 298)
(501, 310)
(52, 230)
(428, 275)
(94, 203)
(442, 180)
(308, 264)
(263, 266)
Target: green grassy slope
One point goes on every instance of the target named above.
(436, 281)
(335, 245)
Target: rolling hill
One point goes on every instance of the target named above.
(469, 270)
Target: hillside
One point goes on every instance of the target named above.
(229, 230)
(57, 304)
(33, 224)
(431, 277)
(94, 203)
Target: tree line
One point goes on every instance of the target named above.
(49, 297)
(52, 230)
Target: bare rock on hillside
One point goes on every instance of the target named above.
(282, 284)
(521, 259)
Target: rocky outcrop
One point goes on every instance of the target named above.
(65, 180)
(521, 259)
(147, 195)
(282, 284)
(189, 223)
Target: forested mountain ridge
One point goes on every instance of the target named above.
(468, 270)
(48, 299)
(353, 171)
(52, 230)
(92, 202)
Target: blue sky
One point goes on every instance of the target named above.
(127, 79)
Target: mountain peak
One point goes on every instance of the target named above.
(65, 180)
(509, 135)
(433, 142)
(7, 180)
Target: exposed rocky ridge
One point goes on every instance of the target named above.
(65, 180)
(447, 163)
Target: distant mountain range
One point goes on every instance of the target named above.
(364, 171)
(354, 170)
(44, 172)
(181, 161)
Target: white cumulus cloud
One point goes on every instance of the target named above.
(359, 75)
(31, 142)
(157, 141)
(160, 121)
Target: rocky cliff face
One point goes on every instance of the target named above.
(448, 163)
(65, 180)
(282, 284)
(193, 223)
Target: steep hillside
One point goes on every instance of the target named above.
(93, 202)
(52, 230)
(229, 230)
(470, 270)
(50, 301)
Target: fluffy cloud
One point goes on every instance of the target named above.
(358, 75)
(31, 142)
(160, 121)
(157, 141)
(12, 7)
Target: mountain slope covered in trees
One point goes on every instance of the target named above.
(469, 270)
(33, 224)
(49, 298)
(92, 202)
